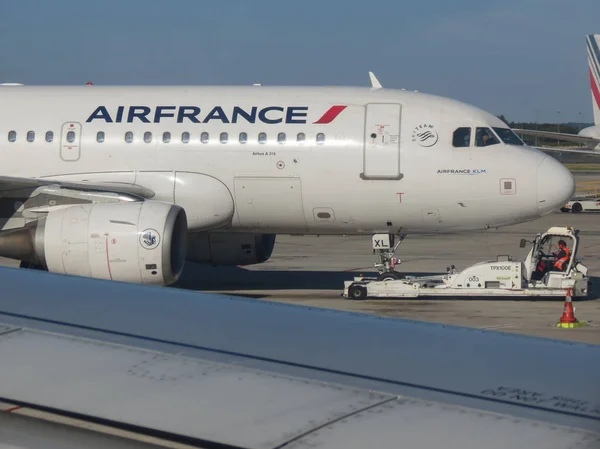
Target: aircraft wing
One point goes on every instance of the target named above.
(15, 184)
(589, 141)
(569, 150)
(225, 372)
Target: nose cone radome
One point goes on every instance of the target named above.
(556, 185)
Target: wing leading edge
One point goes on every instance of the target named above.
(569, 150)
(11, 184)
(590, 142)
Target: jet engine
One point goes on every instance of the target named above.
(140, 242)
(230, 249)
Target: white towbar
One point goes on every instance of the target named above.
(536, 276)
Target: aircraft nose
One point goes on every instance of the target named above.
(556, 185)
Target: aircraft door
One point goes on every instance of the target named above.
(70, 141)
(382, 142)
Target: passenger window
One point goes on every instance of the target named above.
(281, 138)
(166, 137)
(185, 137)
(49, 136)
(262, 138)
(243, 137)
(12, 136)
(320, 138)
(100, 137)
(484, 137)
(30, 136)
(223, 138)
(461, 138)
(71, 136)
(204, 137)
(148, 137)
(301, 137)
(128, 137)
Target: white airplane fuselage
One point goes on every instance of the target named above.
(592, 132)
(386, 161)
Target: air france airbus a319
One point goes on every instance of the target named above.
(107, 182)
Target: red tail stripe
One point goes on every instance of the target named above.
(595, 90)
(330, 115)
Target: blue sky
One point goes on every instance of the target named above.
(525, 59)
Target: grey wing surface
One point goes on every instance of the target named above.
(569, 150)
(14, 186)
(220, 371)
(590, 141)
(24, 200)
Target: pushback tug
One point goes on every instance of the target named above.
(536, 276)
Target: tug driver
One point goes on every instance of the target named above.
(562, 256)
(561, 261)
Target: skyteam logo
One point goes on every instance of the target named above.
(425, 135)
(149, 239)
(269, 115)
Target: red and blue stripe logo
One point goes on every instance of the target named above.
(594, 63)
(330, 115)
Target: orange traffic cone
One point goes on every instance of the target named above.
(568, 319)
(568, 315)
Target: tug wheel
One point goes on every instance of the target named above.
(357, 292)
(577, 207)
(389, 276)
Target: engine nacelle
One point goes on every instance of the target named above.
(230, 248)
(141, 242)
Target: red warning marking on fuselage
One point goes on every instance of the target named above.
(107, 256)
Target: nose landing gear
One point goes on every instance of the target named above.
(384, 246)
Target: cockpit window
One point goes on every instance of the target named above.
(461, 137)
(484, 137)
(508, 136)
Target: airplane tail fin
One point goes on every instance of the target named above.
(593, 53)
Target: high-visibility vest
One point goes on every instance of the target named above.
(561, 262)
